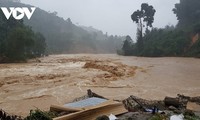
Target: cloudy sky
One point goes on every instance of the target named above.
(112, 16)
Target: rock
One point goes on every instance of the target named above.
(103, 117)
(177, 111)
(172, 108)
(169, 101)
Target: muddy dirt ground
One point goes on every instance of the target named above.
(58, 79)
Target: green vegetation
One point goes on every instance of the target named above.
(188, 117)
(159, 117)
(187, 12)
(163, 42)
(127, 46)
(40, 115)
(182, 40)
(18, 42)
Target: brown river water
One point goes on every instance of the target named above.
(58, 79)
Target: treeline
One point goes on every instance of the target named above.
(180, 40)
(18, 42)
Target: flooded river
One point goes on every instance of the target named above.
(58, 79)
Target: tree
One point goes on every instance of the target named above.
(39, 48)
(19, 43)
(145, 15)
(187, 12)
(140, 42)
(69, 20)
(127, 46)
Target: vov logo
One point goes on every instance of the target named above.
(18, 13)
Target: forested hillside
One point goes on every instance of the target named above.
(62, 36)
(180, 40)
(18, 42)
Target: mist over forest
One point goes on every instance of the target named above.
(63, 36)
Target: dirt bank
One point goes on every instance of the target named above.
(61, 78)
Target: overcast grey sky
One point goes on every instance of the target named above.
(112, 16)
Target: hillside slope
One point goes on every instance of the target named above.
(62, 36)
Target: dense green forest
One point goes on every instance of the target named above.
(180, 40)
(18, 42)
(63, 36)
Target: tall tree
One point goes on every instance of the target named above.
(145, 15)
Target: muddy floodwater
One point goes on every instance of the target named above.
(58, 79)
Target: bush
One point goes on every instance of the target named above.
(40, 115)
